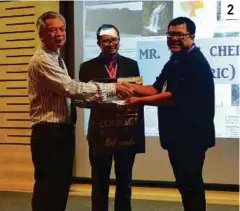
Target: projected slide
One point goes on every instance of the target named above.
(142, 26)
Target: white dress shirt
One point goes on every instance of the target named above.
(50, 87)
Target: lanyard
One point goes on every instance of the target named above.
(112, 74)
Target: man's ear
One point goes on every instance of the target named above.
(192, 36)
(98, 43)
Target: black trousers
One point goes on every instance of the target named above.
(187, 163)
(101, 169)
(52, 147)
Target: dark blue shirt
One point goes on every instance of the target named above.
(188, 76)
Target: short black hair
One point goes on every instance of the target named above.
(191, 27)
(106, 26)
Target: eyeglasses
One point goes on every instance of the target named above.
(54, 30)
(179, 36)
(109, 41)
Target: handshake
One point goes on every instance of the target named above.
(127, 92)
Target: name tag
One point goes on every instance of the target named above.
(164, 88)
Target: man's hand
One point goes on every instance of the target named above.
(133, 102)
(131, 86)
(123, 91)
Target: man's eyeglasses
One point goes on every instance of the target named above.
(56, 29)
(109, 41)
(179, 36)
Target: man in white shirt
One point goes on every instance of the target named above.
(49, 90)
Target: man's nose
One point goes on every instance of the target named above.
(111, 43)
(174, 38)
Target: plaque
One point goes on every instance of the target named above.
(114, 125)
(114, 100)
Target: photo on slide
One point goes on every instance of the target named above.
(235, 95)
(126, 16)
(155, 17)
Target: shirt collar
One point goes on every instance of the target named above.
(107, 61)
(53, 53)
(176, 56)
(192, 47)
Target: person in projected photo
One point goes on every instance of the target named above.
(109, 65)
(52, 138)
(184, 95)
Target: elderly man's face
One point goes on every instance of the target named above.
(54, 33)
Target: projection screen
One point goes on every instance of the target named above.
(142, 26)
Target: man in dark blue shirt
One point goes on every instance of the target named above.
(184, 94)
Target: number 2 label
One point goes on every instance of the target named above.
(230, 9)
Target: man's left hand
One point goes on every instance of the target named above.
(123, 91)
(133, 102)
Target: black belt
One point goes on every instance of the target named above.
(53, 125)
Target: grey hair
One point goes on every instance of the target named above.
(45, 16)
